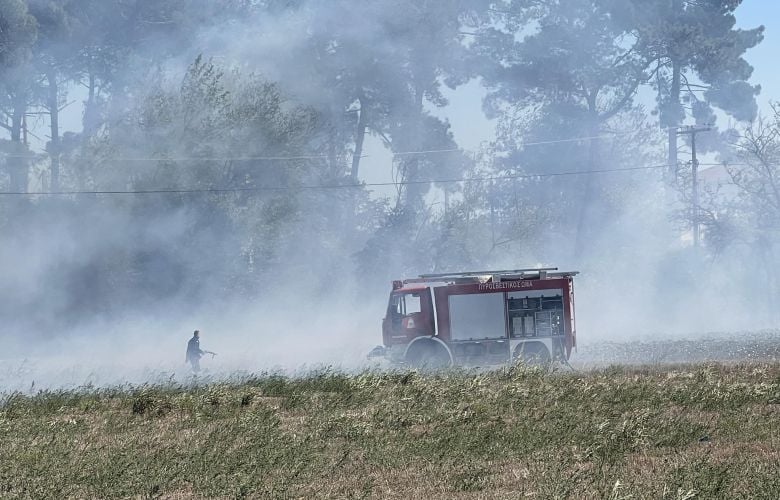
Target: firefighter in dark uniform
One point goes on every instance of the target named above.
(194, 353)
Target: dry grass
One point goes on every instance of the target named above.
(709, 431)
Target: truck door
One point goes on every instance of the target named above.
(571, 327)
(409, 315)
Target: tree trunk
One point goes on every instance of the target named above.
(90, 114)
(587, 190)
(350, 221)
(17, 164)
(360, 135)
(673, 122)
(770, 265)
(17, 119)
(492, 199)
(415, 193)
(54, 115)
(89, 127)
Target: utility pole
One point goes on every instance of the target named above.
(692, 131)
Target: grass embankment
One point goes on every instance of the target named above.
(680, 432)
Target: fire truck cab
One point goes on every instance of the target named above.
(480, 318)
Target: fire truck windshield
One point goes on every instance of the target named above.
(404, 304)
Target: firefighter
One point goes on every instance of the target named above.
(194, 352)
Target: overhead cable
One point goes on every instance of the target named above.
(329, 186)
(317, 156)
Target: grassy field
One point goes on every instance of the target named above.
(704, 431)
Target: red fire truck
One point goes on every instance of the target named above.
(480, 318)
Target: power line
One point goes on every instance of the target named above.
(185, 158)
(318, 156)
(330, 186)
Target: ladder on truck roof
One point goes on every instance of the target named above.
(494, 276)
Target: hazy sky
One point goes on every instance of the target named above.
(753, 13)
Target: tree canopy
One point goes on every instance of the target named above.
(219, 143)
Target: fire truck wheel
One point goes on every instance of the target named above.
(427, 354)
(533, 354)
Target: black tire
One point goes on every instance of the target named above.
(533, 354)
(428, 355)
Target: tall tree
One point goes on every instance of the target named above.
(376, 67)
(759, 185)
(568, 63)
(698, 59)
(54, 57)
(17, 36)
